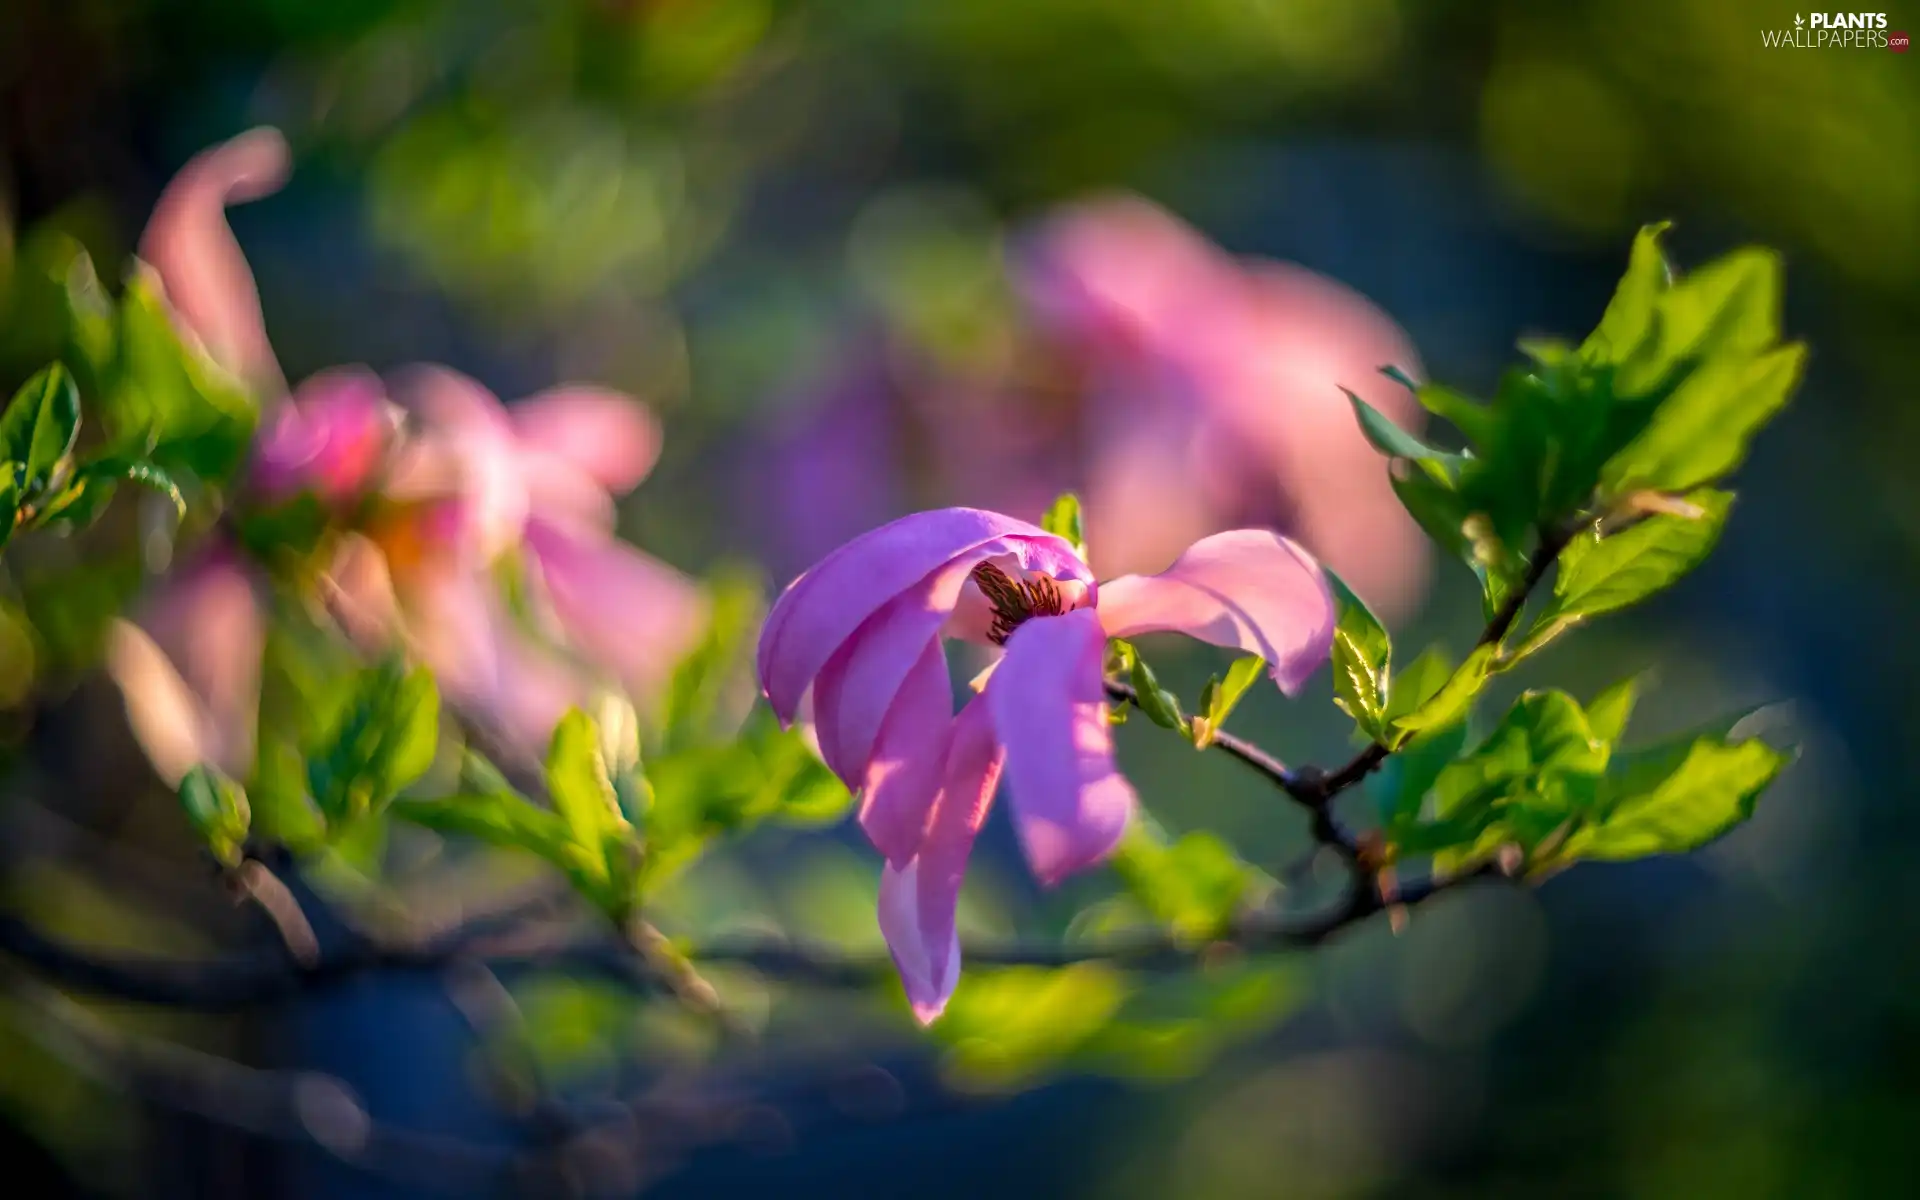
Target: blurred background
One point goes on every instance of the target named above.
(827, 243)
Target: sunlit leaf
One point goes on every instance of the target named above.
(40, 425)
(1361, 653)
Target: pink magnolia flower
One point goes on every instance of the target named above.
(1218, 383)
(1180, 390)
(481, 480)
(863, 632)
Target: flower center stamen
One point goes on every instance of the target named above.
(1015, 601)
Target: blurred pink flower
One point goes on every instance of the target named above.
(863, 631)
(1179, 389)
(1215, 394)
(478, 481)
(471, 485)
(332, 438)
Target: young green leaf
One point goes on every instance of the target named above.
(217, 808)
(577, 780)
(1629, 318)
(1701, 431)
(1390, 439)
(1601, 575)
(1362, 655)
(385, 740)
(1418, 682)
(1062, 519)
(9, 500)
(1712, 790)
(1469, 416)
(93, 484)
(40, 425)
(1161, 706)
(1195, 884)
(693, 712)
(1450, 702)
(1607, 715)
(1401, 784)
(1221, 697)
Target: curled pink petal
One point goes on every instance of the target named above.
(206, 277)
(609, 436)
(621, 609)
(820, 610)
(1070, 803)
(905, 769)
(919, 900)
(1247, 589)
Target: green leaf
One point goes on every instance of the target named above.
(694, 711)
(1401, 784)
(40, 425)
(577, 780)
(1450, 702)
(1701, 431)
(93, 485)
(1628, 320)
(1607, 715)
(1712, 790)
(1601, 575)
(702, 792)
(1526, 784)
(1006, 1026)
(1390, 439)
(1418, 682)
(1547, 731)
(217, 808)
(1196, 885)
(9, 500)
(1062, 519)
(1469, 416)
(1361, 660)
(1221, 697)
(386, 739)
(497, 818)
(1161, 706)
(1243, 674)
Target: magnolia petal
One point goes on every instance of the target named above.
(464, 444)
(608, 435)
(908, 759)
(513, 691)
(330, 438)
(359, 594)
(190, 669)
(190, 245)
(856, 688)
(623, 610)
(1070, 803)
(824, 607)
(919, 900)
(1246, 589)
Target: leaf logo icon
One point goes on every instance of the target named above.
(1797, 22)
